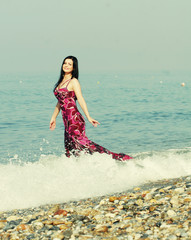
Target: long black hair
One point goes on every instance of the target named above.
(75, 72)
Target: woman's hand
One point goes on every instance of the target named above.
(52, 123)
(93, 122)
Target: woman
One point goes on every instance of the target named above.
(67, 90)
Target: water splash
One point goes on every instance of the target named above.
(56, 179)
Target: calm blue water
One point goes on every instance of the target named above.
(144, 114)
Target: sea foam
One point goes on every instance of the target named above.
(56, 179)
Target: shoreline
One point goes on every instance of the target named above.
(155, 210)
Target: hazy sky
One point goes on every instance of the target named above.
(104, 35)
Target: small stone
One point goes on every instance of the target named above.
(63, 227)
(21, 227)
(2, 225)
(180, 226)
(98, 217)
(110, 215)
(120, 207)
(174, 201)
(157, 196)
(171, 213)
(69, 210)
(61, 212)
(161, 190)
(139, 229)
(68, 223)
(152, 208)
(183, 234)
(168, 196)
(153, 190)
(111, 209)
(48, 222)
(179, 190)
(139, 202)
(37, 225)
(171, 237)
(58, 222)
(123, 197)
(163, 215)
(132, 195)
(121, 202)
(14, 236)
(129, 237)
(158, 224)
(186, 200)
(189, 233)
(12, 218)
(93, 212)
(54, 228)
(126, 206)
(3, 220)
(85, 237)
(102, 202)
(58, 236)
(153, 201)
(30, 236)
(170, 221)
(96, 207)
(73, 237)
(113, 198)
(137, 236)
(101, 229)
(148, 196)
(53, 209)
(67, 234)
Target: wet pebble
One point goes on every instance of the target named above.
(160, 211)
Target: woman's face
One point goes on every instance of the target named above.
(68, 66)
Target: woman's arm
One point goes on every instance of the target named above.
(77, 89)
(54, 115)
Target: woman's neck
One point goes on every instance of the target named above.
(67, 77)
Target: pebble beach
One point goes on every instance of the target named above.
(159, 210)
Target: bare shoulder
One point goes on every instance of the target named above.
(75, 82)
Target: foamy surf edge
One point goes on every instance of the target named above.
(56, 179)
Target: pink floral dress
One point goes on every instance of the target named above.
(76, 140)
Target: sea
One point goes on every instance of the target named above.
(145, 114)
